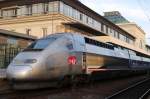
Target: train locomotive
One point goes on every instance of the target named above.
(64, 56)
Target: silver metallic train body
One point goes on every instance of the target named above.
(66, 54)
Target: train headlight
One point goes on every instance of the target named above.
(23, 73)
(30, 61)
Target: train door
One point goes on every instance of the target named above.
(84, 66)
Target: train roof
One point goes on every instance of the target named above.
(95, 41)
(71, 33)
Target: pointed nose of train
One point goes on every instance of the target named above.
(18, 73)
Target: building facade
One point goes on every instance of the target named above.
(130, 27)
(135, 30)
(14, 39)
(43, 17)
(148, 48)
(12, 43)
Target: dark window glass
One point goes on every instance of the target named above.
(107, 30)
(102, 28)
(45, 6)
(40, 44)
(97, 43)
(81, 16)
(9, 13)
(87, 19)
(29, 9)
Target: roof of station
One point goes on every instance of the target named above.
(15, 34)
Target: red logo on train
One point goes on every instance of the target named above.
(72, 60)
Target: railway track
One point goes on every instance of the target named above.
(145, 95)
(94, 90)
(16, 94)
(7, 92)
(139, 90)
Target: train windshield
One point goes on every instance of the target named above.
(41, 44)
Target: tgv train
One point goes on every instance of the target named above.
(63, 56)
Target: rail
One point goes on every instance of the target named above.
(136, 91)
(145, 95)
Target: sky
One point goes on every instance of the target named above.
(137, 11)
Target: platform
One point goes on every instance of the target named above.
(2, 73)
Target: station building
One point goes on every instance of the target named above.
(130, 27)
(15, 39)
(148, 48)
(43, 17)
(10, 44)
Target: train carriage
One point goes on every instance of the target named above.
(62, 55)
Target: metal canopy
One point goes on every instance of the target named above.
(15, 34)
(85, 28)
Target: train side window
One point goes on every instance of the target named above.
(97, 43)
